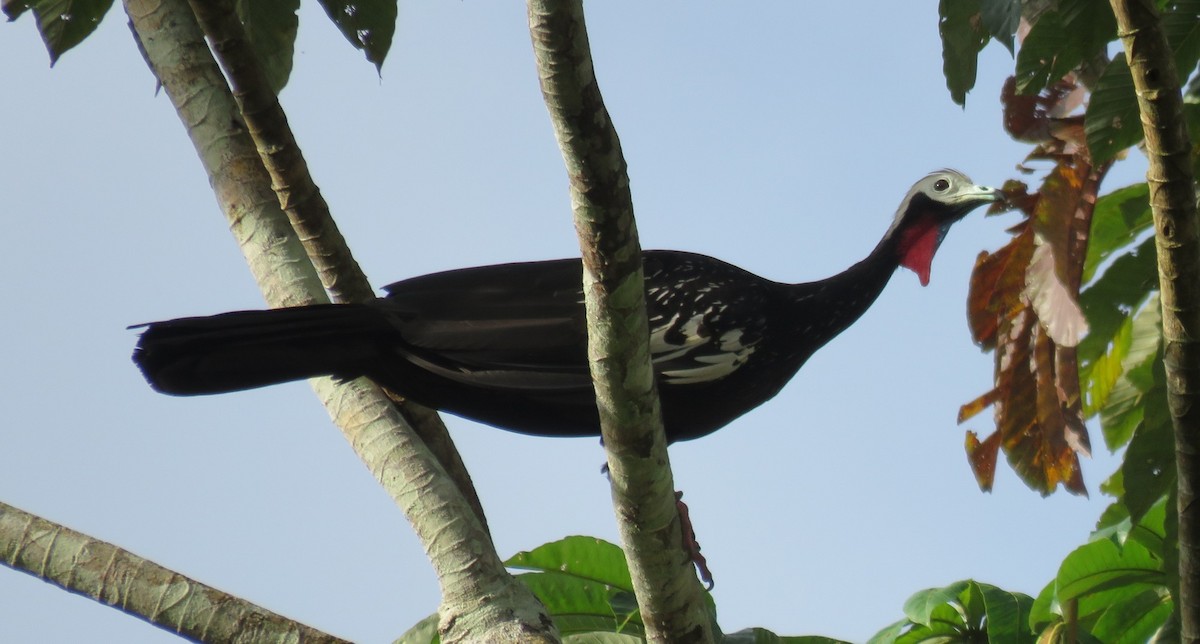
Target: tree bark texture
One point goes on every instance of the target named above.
(480, 600)
(305, 207)
(93, 568)
(668, 593)
(1177, 238)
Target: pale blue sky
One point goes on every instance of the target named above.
(780, 138)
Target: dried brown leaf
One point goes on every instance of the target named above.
(1055, 304)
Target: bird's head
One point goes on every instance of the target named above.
(929, 209)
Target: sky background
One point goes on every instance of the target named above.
(779, 136)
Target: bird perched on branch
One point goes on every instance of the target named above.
(506, 345)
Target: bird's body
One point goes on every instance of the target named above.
(506, 345)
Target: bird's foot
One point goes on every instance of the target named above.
(691, 545)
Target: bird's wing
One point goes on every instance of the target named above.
(706, 317)
(515, 326)
(521, 326)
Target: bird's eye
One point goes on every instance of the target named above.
(941, 185)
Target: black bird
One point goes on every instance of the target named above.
(505, 345)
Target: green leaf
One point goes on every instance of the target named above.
(1126, 404)
(963, 37)
(1135, 619)
(271, 28)
(1037, 60)
(1151, 531)
(1001, 18)
(1099, 378)
(13, 9)
(1118, 219)
(579, 605)
(584, 584)
(888, 634)
(423, 632)
(1007, 614)
(945, 625)
(1045, 609)
(1149, 464)
(65, 23)
(1181, 24)
(368, 24)
(1060, 40)
(1112, 122)
(585, 557)
(1107, 302)
(921, 605)
(1103, 566)
(1114, 523)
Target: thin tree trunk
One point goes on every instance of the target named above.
(480, 600)
(668, 592)
(1177, 238)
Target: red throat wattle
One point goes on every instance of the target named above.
(917, 246)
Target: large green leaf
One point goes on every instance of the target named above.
(1099, 377)
(1108, 300)
(889, 633)
(1112, 122)
(1151, 530)
(1060, 40)
(1007, 614)
(65, 23)
(579, 605)
(1135, 619)
(946, 624)
(1045, 608)
(368, 24)
(1102, 565)
(584, 557)
(584, 583)
(1114, 522)
(962, 611)
(1149, 465)
(963, 36)
(1001, 18)
(1119, 218)
(1181, 24)
(921, 605)
(423, 632)
(271, 27)
(1124, 409)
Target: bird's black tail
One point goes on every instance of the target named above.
(248, 349)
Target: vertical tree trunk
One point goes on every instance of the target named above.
(668, 593)
(1177, 237)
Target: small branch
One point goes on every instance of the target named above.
(298, 194)
(480, 600)
(668, 593)
(306, 209)
(80, 564)
(1177, 238)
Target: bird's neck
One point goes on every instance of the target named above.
(827, 307)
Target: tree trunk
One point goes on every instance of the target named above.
(668, 592)
(1177, 237)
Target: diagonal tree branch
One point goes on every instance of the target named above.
(480, 600)
(668, 593)
(1177, 238)
(80, 564)
(306, 209)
